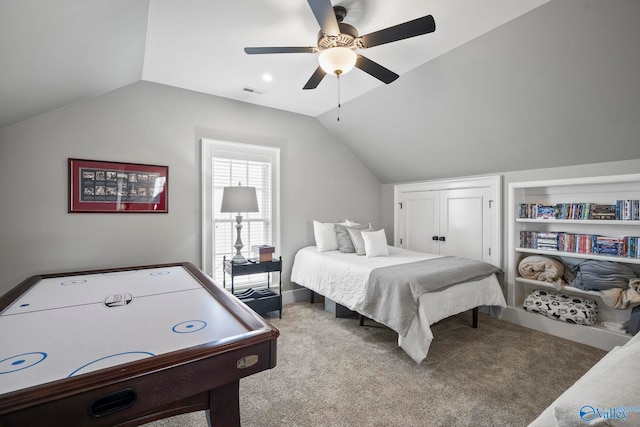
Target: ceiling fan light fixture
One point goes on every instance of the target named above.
(337, 60)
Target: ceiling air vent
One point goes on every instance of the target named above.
(253, 90)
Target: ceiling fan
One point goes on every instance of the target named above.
(337, 43)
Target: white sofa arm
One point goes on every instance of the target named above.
(608, 394)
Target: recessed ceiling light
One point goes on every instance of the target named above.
(267, 77)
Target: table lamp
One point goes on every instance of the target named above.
(239, 199)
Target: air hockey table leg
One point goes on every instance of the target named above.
(224, 406)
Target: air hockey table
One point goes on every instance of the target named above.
(126, 346)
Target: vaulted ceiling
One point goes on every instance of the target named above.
(58, 52)
(498, 83)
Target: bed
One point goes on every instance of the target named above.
(345, 277)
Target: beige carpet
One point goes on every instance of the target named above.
(332, 372)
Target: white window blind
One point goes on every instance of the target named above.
(256, 226)
(226, 164)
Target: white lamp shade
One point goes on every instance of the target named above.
(337, 60)
(239, 199)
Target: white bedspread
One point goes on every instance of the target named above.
(342, 277)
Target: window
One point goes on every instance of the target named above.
(229, 164)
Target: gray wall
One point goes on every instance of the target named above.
(155, 124)
(631, 166)
(558, 86)
(555, 87)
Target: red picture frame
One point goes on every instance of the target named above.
(116, 187)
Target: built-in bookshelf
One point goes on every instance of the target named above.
(573, 220)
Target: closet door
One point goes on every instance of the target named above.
(463, 215)
(419, 221)
(465, 223)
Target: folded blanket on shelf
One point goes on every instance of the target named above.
(596, 275)
(622, 298)
(544, 269)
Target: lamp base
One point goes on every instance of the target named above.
(239, 259)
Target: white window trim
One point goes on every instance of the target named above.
(208, 148)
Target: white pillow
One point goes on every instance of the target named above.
(375, 243)
(325, 236)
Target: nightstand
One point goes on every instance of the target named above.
(261, 300)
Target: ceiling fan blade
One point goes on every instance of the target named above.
(315, 79)
(376, 70)
(262, 50)
(417, 27)
(326, 17)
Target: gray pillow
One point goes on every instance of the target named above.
(357, 240)
(345, 243)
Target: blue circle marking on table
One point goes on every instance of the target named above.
(73, 282)
(126, 355)
(159, 273)
(189, 326)
(21, 361)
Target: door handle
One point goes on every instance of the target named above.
(441, 238)
(434, 238)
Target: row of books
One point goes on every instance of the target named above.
(628, 209)
(622, 210)
(628, 246)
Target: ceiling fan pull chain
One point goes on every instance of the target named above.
(338, 75)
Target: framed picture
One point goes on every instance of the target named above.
(99, 186)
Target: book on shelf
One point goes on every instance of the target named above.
(621, 210)
(599, 211)
(628, 210)
(572, 242)
(546, 212)
(539, 240)
(528, 210)
(610, 246)
(536, 210)
(574, 210)
(632, 246)
(586, 210)
(628, 246)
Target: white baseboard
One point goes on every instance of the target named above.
(295, 295)
(594, 336)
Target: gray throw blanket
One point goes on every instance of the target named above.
(596, 275)
(391, 294)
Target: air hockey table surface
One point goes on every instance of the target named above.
(126, 346)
